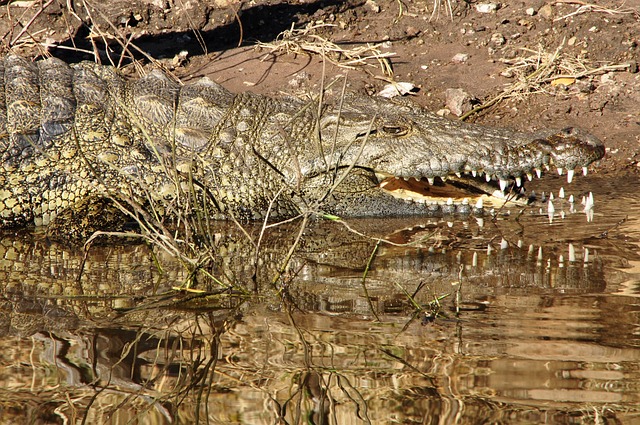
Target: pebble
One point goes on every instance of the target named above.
(458, 101)
(498, 39)
(460, 58)
(373, 6)
(546, 11)
(486, 7)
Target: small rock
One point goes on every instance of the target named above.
(299, 80)
(571, 41)
(373, 6)
(530, 11)
(606, 78)
(498, 39)
(546, 11)
(460, 58)
(160, 4)
(486, 7)
(412, 31)
(180, 58)
(633, 67)
(397, 89)
(458, 101)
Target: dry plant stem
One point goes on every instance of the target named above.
(31, 21)
(197, 32)
(120, 39)
(235, 13)
(590, 7)
(436, 9)
(264, 227)
(292, 250)
(298, 41)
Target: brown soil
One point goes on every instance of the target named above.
(424, 43)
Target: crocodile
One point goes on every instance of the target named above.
(75, 135)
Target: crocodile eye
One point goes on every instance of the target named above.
(395, 130)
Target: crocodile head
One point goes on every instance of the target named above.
(402, 159)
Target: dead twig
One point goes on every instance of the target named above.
(306, 41)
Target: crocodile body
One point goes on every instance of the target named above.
(71, 135)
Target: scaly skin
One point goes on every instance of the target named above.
(73, 135)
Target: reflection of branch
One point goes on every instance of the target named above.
(364, 278)
(407, 364)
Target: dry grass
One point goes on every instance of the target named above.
(537, 71)
(584, 7)
(307, 41)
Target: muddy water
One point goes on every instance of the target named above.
(430, 326)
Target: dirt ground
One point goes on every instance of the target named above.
(556, 63)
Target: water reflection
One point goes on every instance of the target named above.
(542, 328)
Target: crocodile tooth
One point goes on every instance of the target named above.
(405, 179)
(458, 175)
(560, 171)
(474, 173)
(529, 176)
(487, 177)
(522, 191)
(551, 197)
(503, 184)
(572, 253)
(570, 176)
(584, 171)
(586, 255)
(588, 204)
(561, 193)
(550, 208)
(504, 244)
(538, 172)
(479, 204)
(465, 201)
(450, 201)
(571, 199)
(540, 253)
(546, 167)
(431, 180)
(518, 181)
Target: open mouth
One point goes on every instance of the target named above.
(454, 189)
(465, 188)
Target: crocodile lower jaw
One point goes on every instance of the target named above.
(453, 189)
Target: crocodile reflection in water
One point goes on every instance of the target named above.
(134, 348)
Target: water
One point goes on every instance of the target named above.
(542, 328)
